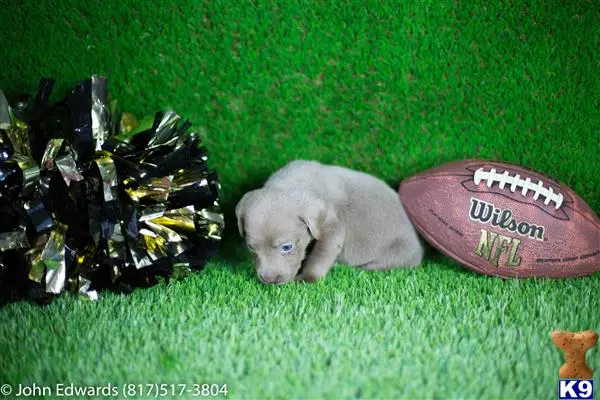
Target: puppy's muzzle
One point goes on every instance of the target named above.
(273, 278)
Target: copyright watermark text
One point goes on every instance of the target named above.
(147, 390)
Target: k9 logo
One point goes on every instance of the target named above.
(575, 389)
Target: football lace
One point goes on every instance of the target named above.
(515, 181)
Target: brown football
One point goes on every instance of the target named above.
(504, 220)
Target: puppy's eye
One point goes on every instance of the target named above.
(286, 248)
(250, 247)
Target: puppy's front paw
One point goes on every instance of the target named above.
(307, 278)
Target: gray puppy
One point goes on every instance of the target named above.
(354, 218)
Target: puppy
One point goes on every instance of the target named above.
(350, 217)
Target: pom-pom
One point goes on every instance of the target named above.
(92, 199)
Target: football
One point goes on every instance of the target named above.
(503, 220)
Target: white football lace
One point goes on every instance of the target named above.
(516, 182)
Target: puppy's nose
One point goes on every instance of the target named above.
(270, 278)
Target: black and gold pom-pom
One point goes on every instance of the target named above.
(91, 199)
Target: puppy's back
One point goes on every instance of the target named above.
(311, 177)
(332, 183)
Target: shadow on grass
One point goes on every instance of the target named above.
(443, 262)
(232, 249)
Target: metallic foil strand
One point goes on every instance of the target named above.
(31, 172)
(211, 223)
(164, 131)
(38, 215)
(177, 248)
(178, 223)
(183, 211)
(169, 234)
(176, 243)
(189, 177)
(116, 244)
(100, 119)
(18, 135)
(139, 256)
(54, 258)
(34, 257)
(189, 139)
(52, 149)
(155, 245)
(68, 170)
(152, 211)
(84, 289)
(108, 172)
(5, 118)
(156, 189)
(70, 152)
(214, 231)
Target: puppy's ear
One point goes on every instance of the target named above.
(240, 212)
(319, 217)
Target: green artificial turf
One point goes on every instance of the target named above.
(390, 88)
